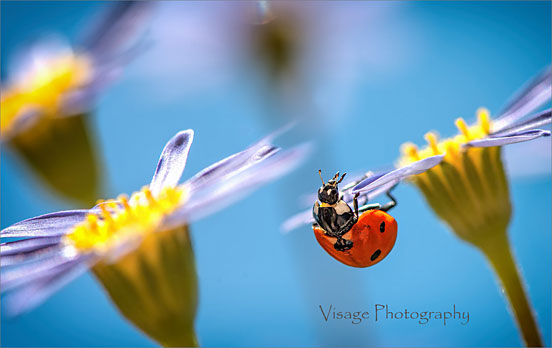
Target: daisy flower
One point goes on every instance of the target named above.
(54, 79)
(469, 191)
(463, 180)
(53, 86)
(138, 246)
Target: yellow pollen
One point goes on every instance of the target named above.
(92, 221)
(124, 201)
(431, 139)
(105, 213)
(462, 127)
(120, 220)
(43, 87)
(148, 194)
(484, 120)
(410, 150)
(451, 146)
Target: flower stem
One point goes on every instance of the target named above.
(497, 250)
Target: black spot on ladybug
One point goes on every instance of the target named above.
(382, 227)
(375, 255)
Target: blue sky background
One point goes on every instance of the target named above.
(372, 76)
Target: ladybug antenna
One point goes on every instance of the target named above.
(320, 173)
(342, 177)
(336, 176)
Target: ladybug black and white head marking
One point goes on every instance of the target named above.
(329, 193)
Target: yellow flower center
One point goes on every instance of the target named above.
(43, 87)
(125, 218)
(468, 189)
(450, 146)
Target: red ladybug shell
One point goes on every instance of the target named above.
(375, 230)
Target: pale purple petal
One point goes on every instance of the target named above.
(230, 166)
(538, 120)
(172, 161)
(353, 179)
(347, 189)
(27, 245)
(509, 139)
(236, 162)
(18, 260)
(224, 193)
(48, 225)
(34, 293)
(414, 168)
(298, 220)
(370, 195)
(535, 94)
(118, 29)
(306, 199)
(236, 167)
(368, 181)
(81, 100)
(15, 277)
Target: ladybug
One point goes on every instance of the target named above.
(357, 241)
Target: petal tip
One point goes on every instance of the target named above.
(185, 135)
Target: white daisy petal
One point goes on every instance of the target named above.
(48, 225)
(414, 168)
(535, 94)
(27, 245)
(538, 120)
(226, 192)
(38, 291)
(172, 161)
(509, 139)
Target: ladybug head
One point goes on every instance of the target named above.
(329, 192)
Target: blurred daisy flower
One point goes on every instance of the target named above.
(53, 86)
(313, 55)
(469, 191)
(303, 59)
(139, 246)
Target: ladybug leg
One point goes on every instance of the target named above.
(389, 205)
(355, 204)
